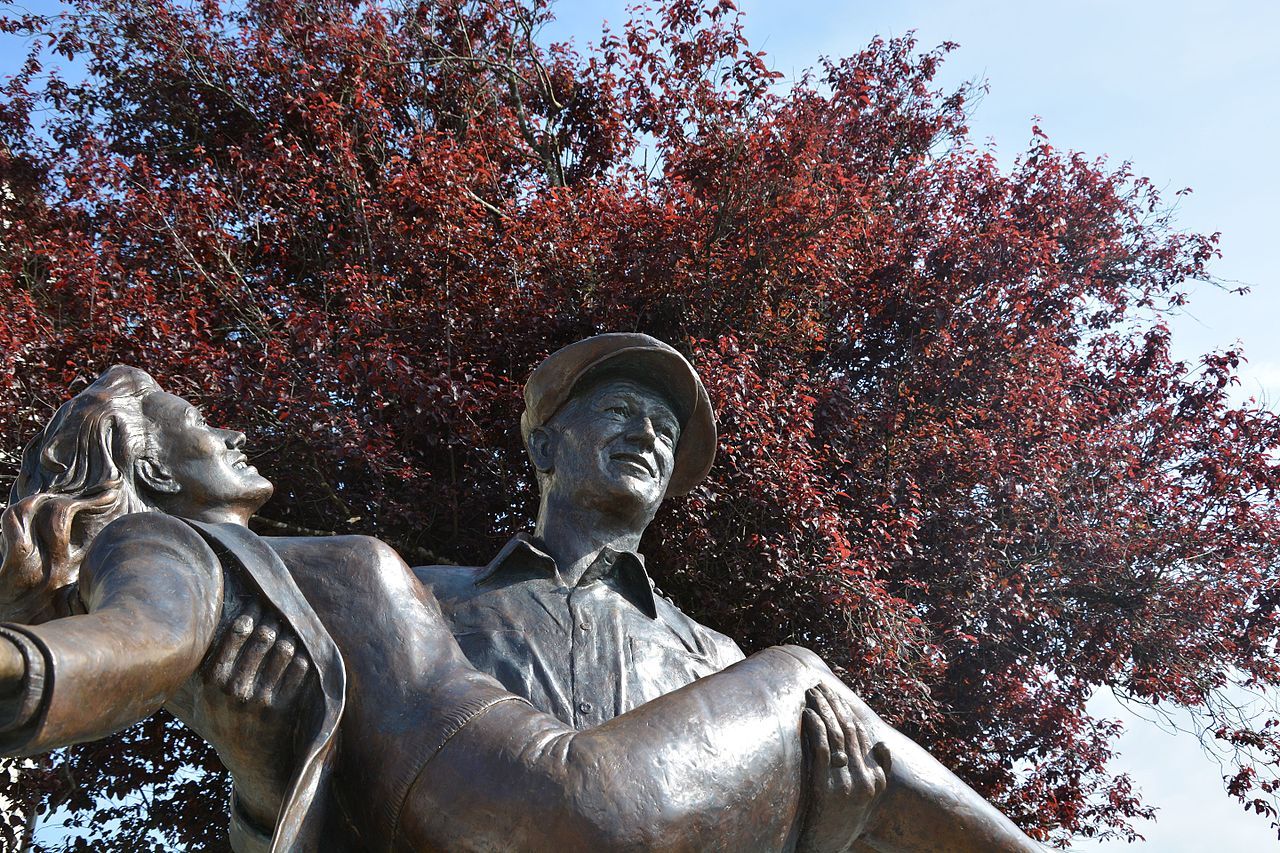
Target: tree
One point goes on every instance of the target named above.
(956, 456)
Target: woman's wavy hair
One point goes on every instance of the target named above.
(76, 477)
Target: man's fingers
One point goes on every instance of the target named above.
(884, 763)
(869, 763)
(815, 738)
(224, 662)
(277, 661)
(855, 736)
(294, 677)
(835, 727)
(250, 660)
(868, 772)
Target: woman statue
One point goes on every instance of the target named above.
(126, 538)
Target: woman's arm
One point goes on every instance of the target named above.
(153, 591)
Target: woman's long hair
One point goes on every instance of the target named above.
(76, 478)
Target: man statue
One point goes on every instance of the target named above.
(568, 617)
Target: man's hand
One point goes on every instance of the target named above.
(253, 682)
(846, 773)
(258, 665)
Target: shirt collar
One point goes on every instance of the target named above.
(522, 557)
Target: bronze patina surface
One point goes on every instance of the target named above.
(329, 680)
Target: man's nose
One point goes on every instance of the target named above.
(642, 430)
(235, 438)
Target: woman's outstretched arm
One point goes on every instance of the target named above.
(153, 590)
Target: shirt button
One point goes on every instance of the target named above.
(584, 626)
(584, 707)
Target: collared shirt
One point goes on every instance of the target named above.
(585, 653)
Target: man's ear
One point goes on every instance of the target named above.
(542, 449)
(154, 476)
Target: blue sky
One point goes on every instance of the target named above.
(1188, 93)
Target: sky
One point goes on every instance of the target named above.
(1185, 91)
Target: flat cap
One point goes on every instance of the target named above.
(647, 360)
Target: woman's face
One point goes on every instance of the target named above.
(195, 470)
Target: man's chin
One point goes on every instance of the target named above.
(636, 490)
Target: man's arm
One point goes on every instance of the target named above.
(925, 807)
(724, 650)
(441, 757)
(715, 765)
(153, 590)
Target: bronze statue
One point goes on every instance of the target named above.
(568, 617)
(401, 744)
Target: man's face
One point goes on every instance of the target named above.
(616, 443)
(206, 467)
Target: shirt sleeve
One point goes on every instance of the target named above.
(725, 650)
(153, 591)
(20, 711)
(675, 774)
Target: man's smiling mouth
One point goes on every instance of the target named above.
(635, 460)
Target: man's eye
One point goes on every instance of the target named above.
(617, 410)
